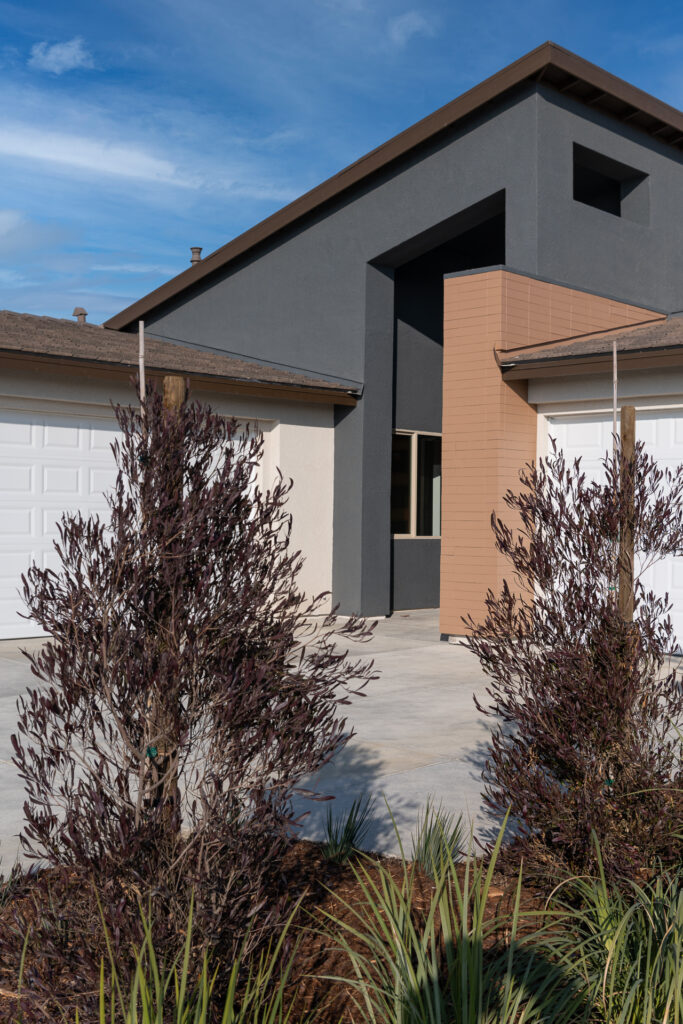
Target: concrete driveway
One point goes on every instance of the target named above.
(418, 734)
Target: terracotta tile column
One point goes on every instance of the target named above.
(489, 429)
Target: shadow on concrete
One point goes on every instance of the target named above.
(399, 796)
(354, 772)
(492, 820)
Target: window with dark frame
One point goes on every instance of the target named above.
(401, 474)
(416, 484)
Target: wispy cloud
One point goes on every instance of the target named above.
(12, 277)
(87, 154)
(133, 268)
(21, 235)
(10, 220)
(402, 28)
(60, 57)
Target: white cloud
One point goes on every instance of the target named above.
(60, 57)
(87, 154)
(412, 23)
(21, 235)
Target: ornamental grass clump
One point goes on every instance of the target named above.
(626, 943)
(587, 704)
(451, 957)
(182, 696)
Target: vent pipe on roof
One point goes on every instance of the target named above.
(196, 251)
(80, 314)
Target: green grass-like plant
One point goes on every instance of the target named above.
(345, 834)
(164, 993)
(439, 836)
(448, 966)
(626, 944)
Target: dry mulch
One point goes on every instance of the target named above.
(323, 887)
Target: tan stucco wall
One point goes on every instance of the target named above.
(489, 428)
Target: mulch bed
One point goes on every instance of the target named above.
(324, 887)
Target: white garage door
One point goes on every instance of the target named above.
(590, 437)
(49, 464)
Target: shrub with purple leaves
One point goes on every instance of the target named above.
(184, 695)
(587, 705)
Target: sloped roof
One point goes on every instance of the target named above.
(548, 63)
(658, 336)
(51, 337)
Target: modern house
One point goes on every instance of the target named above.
(456, 291)
(59, 380)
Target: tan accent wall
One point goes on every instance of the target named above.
(489, 429)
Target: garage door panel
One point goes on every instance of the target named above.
(16, 478)
(66, 436)
(662, 433)
(63, 480)
(14, 562)
(17, 522)
(49, 464)
(99, 480)
(16, 435)
(101, 439)
(50, 521)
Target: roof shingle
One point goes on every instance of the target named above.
(52, 337)
(656, 336)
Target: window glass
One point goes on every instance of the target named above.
(400, 483)
(428, 486)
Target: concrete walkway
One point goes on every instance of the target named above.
(418, 734)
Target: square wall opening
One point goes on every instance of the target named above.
(610, 186)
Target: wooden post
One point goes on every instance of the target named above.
(626, 483)
(164, 765)
(141, 364)
(175, 392)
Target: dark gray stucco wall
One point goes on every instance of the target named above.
(415, 573)
(316, 299)
(418, 346)
(418, 374)
(640, 262)
(361, 511)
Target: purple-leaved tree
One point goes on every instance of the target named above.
(587, 705)
(185, 691)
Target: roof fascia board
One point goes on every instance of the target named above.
(599, 363)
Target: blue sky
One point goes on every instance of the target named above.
(131, 131)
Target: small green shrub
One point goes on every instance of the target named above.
(346, 833)
(439, 837)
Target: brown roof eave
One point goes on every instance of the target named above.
(233, 385)
(643, 359)
(534, 65)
